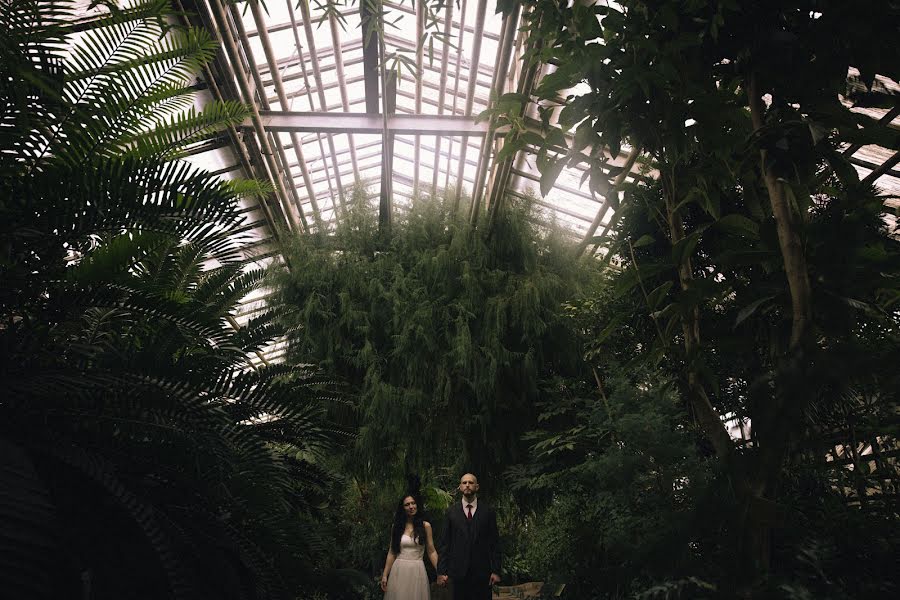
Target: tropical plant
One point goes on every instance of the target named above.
(618, 495)
(730, 256)
(147, 453)
(624, 496)
(445, 334)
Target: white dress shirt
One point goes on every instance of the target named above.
(474, 504)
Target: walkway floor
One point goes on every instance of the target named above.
(522, 591)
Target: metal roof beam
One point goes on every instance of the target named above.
(473, 76)
(282, 98)
(252, 165)
(556, 209)
(235, 27)
(317, 76)
(342, 80)
(371, 45)
(605, 207)
(392, 5)
(219, 24)
(500, 173)
(488, 35)
(420, 74)
(885, 120)
(399, 124)
(498, 85)
(885, 167)
(298, 47)
(295, 60)
(458, 67)
(445, 59)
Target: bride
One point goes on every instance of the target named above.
(404, 576)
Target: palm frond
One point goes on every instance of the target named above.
(111, 99)
(214, 282)
(31, 75)
(122, 374)
(128, 193)
(118, 255)
(249, 187)
(239, 287)
(169, 138)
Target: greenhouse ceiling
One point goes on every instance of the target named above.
(314, 76)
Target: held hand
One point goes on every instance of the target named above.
(383, 583)
(442, 580)
(495, 579)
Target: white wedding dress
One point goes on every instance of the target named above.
(407, 579)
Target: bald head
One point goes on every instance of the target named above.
(468, 486)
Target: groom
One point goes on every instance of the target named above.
(470, 547)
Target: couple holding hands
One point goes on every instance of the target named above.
(469, 557)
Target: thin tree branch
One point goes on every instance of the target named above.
(788, 226)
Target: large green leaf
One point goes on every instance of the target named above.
(684, 248)
(749, 310)
(550, 173)
(562, 78)
(739, 224)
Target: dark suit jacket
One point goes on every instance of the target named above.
(469, 548)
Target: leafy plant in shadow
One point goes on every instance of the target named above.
(761, 264)
(444, 334)
(147, 452)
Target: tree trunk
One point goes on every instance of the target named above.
(788, 223)
(756, 514)
(775, 426)
(708, 418)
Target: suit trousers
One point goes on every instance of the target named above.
(471, 588)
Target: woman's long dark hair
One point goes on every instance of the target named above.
(400, 518)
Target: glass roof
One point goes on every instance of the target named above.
(304, 59)
(311, 73)
(299, 58)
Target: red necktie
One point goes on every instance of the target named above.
(469, 506)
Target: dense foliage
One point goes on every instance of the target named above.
(758, 268)
(145, 454)
(617, 484)
(445, 332)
